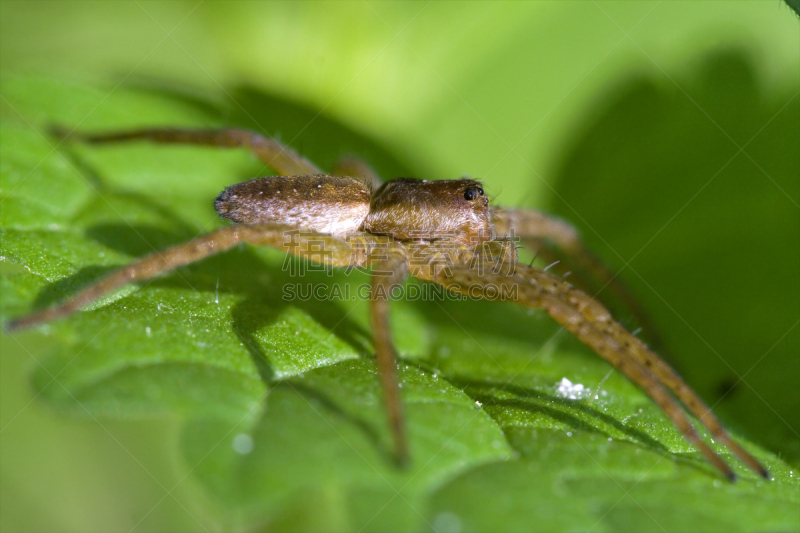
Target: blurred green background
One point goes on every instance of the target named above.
(666, 131)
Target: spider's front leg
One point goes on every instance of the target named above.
(288, 238)
(590, 322)
(389, 269)
(554, 239)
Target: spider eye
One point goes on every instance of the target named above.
(471, 194)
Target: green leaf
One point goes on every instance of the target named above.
(214, 343)
(282, 413)
(707, 180)
(795, 5)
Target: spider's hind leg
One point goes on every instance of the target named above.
(287, 238)
(356, 168)
(271, 152)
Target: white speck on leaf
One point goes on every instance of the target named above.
(446, 522)
(242, 444)
(572, 391)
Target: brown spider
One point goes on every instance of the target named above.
(441, 231)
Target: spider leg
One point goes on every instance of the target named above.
(665, 375)
(356, 168)
(271, 152)
(554, 239)
(389, 270)
(590, 322)
(303, 244)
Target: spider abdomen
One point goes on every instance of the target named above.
(329, 204)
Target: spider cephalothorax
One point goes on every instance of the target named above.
(422, 210)
(441, 231)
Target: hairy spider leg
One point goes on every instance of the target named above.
(271, 152)
(303, 244)
(593, 325)
(665, 375)
(389, 269)
(356, 168)
(554, 239)
(388, 259)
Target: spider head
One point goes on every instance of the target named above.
(411, 209)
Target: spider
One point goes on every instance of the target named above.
(441, 231)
